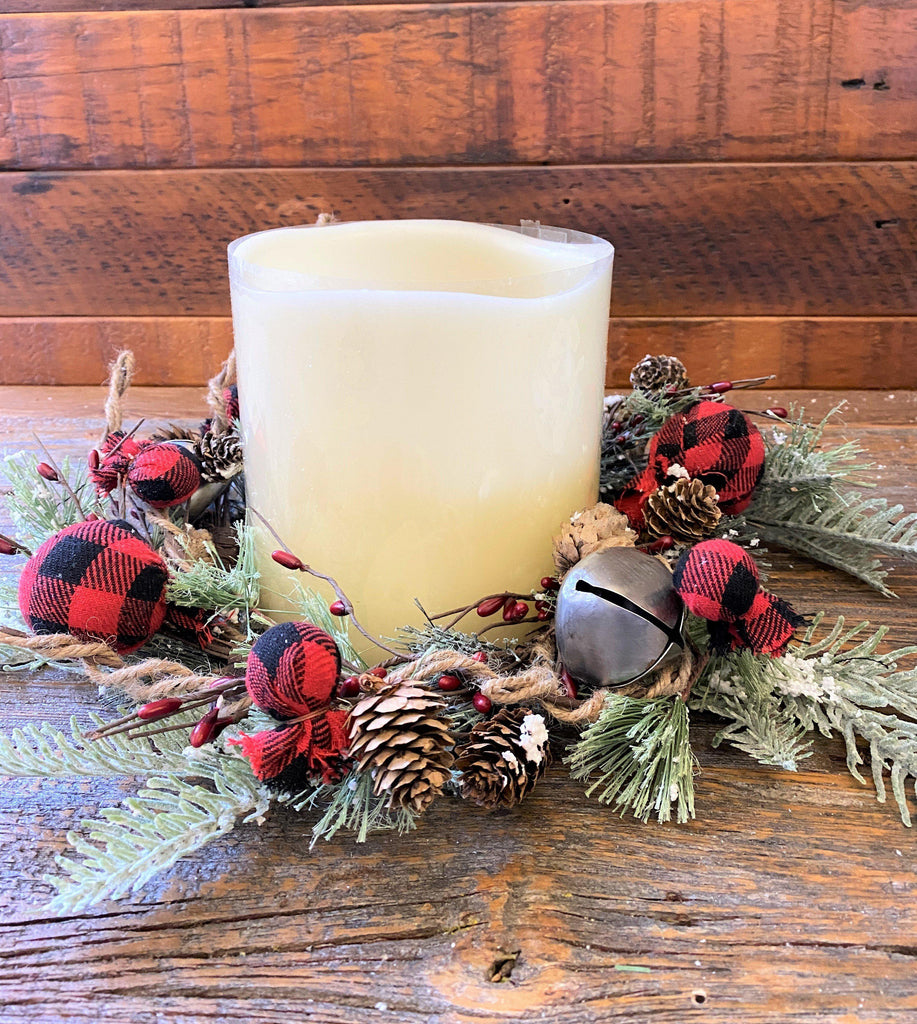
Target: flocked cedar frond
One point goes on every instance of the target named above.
(168, 819)
(45, 752)
(639, 757)
(800, 504)
(839, 684)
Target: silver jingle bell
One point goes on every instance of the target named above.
(618, 618)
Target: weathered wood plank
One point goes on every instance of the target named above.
(706, 240)
(826, 352)
(789, 899)
(554, 82)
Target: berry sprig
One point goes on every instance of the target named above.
(342, 606)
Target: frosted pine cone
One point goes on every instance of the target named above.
(220, 455)
(656, 374)
(686, 510)
(503, 758)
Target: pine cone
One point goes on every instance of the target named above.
(220, 455)
(175, 432)
(503, 758)
(686, 510)
(659, 373)
(594, 529)
(399, 735)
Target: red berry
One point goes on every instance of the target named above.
(349, 687)
(637, 420)
(549, 583)
(778, 411)
(482, 703)
(94, 459)
(449, 682)
(7, 547)
(479, 656)
(519, 611)
(490, 607)
(159, 709)
(337, 608)
(204, 732)
(615, 426)
(92, 517)
(379, 672)
(48, 472)
(720, 387)
(543, 614)
(287, 560)
(569, 684)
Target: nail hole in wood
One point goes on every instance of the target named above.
(853, 83)
(502, 966)
(566, 202)
(881, 86)
(892, 222)
(699, 996)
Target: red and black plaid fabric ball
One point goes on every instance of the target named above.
(714, 443)
(291, 673)
(164, 474)
(116, 453)
(719, 581)
(96, 580)
(231, 400)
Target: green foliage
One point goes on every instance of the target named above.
(624, 453)
(45, 752)
(351, 805)
(641, 756)
(216, 585)
(167, 819)
(40, 508)
(838, 684)
(799, 504)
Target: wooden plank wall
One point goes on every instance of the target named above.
(752, 160)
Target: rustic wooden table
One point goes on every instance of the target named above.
(788, 899)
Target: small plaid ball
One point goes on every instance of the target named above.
(164, 474)
(95, 580)
(717, 580)
(291, 673)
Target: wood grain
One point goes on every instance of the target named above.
(554, 82)
(692, 240)
(827, 352)
(788, 901)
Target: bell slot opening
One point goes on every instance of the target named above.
(672, 632)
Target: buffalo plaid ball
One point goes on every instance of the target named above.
(164, 474)
(96, 580)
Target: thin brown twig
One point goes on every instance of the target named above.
(335, 586)
(63, 480)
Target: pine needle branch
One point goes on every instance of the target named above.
(352, 805)
(214, 585)
(641, 756)
(40, 508)
(168, 819)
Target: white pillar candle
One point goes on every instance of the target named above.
(421, 404)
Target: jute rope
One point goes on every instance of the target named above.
(215, 399)
(63, 647)
(540, 683)
(120, 374)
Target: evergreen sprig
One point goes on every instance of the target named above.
(215, 585)
(805, 502)
(640, 755)
(352, 805)
(168, 819)
(40, 508)
(45, 752)
(841, 684)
